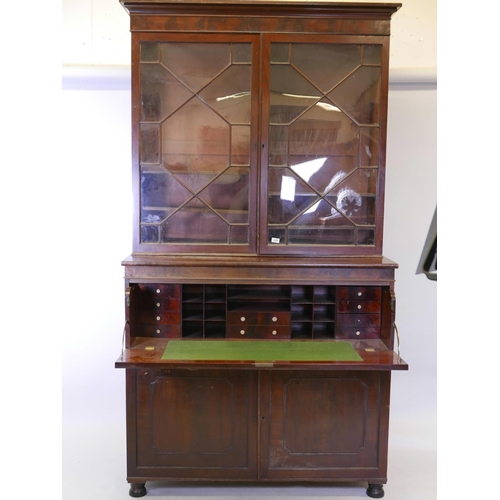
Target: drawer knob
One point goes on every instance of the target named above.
(158, 318)
(242, 332)
(358, 333)
(360, 293)
(274, 332)
(158, 290)
(275, 319)
(158, 331)
(158, 304)
(243, 318)
(359, 306)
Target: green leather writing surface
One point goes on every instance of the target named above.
(259, 350)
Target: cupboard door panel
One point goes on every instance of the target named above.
(196, 423)
(320, 425)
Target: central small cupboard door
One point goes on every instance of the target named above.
(196, 423)
(195, 115)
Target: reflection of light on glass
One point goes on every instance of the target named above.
(233, 96)
(335, 180)
(313, 208)
(308, 168)
(287, 188)
(326, 106)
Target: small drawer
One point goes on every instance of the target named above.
(274, 318)
(258, 332)
(162, 331)
(159, 317)
(362, 332)
(158, 304)
(358, 320)
(359, 292)
(242, 318)
(358, 306)
(173, 291)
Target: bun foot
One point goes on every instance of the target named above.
(375, 490)
(137, 490)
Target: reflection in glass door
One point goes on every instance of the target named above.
(323, 121)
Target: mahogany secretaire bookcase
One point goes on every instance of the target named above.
(259, 335)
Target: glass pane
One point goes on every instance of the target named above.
(228, 195)
(326, 64)
(150, 52)
(242, 53)
(291, 94)
(161, 92)
(196, 64)
(229, 94)
(324, 130)
(280, 52)
(372, 54)
(240, 145)
(359, 95)
(194, 223)
(195, 144)
(288, 196)
(239, 234)
(150, 234)
(160, 195)
(366, 237)
(150, 143)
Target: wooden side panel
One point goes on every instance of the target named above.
(195, 424)
(323, 425)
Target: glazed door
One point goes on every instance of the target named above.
(324, 424)
(195, 121)
(192, 423)
(323, 124)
